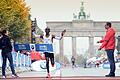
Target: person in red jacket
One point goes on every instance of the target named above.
(35, 55)
(108, 43)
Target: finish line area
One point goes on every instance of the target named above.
(67, 78)
(68, 73)
(62, 73)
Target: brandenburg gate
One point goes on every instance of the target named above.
(81, 26)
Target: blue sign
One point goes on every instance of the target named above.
(38, 47)
(44, 47)
(19, 47)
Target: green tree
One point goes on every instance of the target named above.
(14, 16)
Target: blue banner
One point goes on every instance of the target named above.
(37, 47)
(19, 47)
(44, 47)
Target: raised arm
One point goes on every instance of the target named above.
(38, 36)
(35, 34)
(60, 36)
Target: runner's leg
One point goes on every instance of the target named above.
(52, 59)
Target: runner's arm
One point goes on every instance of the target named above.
(38, 36)
(60, 36)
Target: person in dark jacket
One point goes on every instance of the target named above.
(6, 53)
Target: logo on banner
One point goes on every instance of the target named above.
(32, 47)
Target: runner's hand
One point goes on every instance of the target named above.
(63, 32)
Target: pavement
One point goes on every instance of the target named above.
(68, 73)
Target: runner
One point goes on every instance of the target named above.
(48, 39)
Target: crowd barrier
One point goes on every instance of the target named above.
(19, 60)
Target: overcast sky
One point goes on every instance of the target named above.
(62, 10)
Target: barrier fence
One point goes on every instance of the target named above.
(19, 60)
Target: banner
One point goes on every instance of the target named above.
(44, 47)
(19, 47)
(37, 47)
